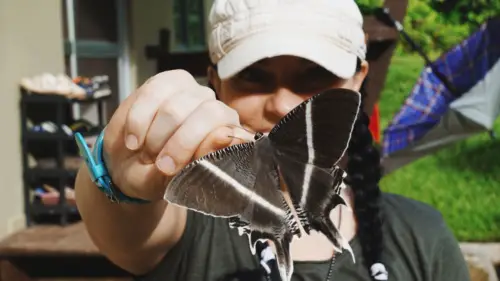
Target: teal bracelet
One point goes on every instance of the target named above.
(99, 172)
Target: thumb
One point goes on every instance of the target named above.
(221, 138)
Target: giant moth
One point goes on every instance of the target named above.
(242, 184)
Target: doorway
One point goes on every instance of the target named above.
(96, 42)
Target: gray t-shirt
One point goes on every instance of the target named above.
(418, 246)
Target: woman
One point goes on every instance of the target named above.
(268, 57)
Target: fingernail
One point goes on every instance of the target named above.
(131, 142)
(166, 164)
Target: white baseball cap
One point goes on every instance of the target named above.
(327, 32)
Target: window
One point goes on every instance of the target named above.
(189, 25)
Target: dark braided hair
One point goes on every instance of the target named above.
(364, 173)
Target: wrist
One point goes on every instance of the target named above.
(99, 172)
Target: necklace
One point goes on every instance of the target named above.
(332, 263)
(330, 269)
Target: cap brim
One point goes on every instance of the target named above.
(278, 43)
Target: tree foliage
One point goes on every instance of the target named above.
(438, 25)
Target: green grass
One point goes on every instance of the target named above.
(461, 181)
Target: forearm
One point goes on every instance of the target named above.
(133, 236)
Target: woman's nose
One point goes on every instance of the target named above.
(281, 102)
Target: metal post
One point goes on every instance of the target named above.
(73, 56)
(124, 51)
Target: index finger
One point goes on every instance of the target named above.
(149, 97)
(221, 138)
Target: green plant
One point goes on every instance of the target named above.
(437, 28)
(470, 12)
(428, 28)
(368, 6)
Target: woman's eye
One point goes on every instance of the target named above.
(314, 79)
(253, 79)
(319, 74)
(253, 75)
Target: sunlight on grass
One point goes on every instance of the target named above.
(461, 181)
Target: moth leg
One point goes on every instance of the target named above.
(284, 256)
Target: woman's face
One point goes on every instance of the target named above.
(267, 90)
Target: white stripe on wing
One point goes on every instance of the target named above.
(242, 189)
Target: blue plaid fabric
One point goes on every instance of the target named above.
(464, 65)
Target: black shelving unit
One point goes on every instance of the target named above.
(44, 145)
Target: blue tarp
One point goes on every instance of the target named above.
(464, 66)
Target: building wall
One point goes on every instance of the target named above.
(30, 47)
(146, 21)
(31, 43)
(208, 5)
(147, 18)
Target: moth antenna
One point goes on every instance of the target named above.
(234, 137)
(252, 136)
(243, 128)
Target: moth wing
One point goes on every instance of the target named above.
(268, 214)
(219, 184)
(318, 130)
(320, 193)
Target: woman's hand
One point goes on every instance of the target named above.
(165, 124)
